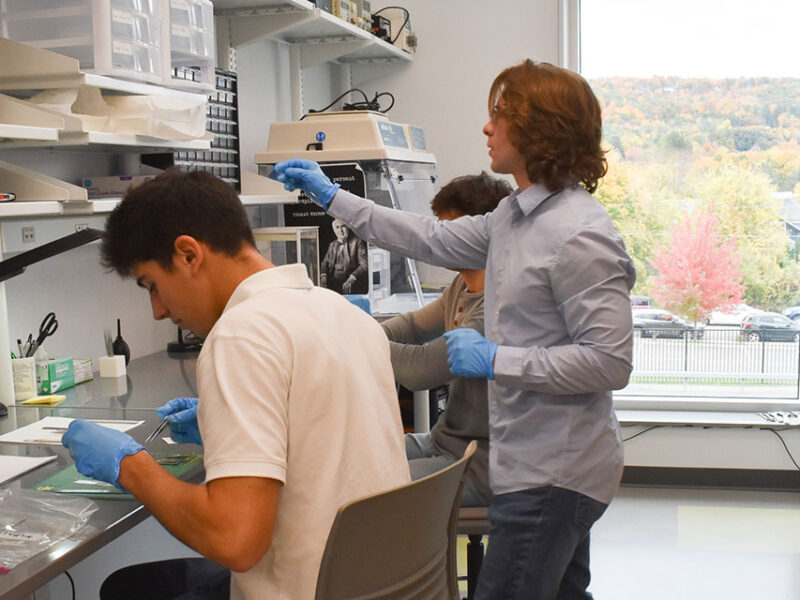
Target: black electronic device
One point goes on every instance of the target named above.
(16, 264)
(189, 343)
(382, 27)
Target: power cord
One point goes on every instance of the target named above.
(780, 437)
(71, 583)
(405, 21)
(366, 104)
(645, 430)
(785, 447)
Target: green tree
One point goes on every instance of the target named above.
(741, 198)
(627, 204)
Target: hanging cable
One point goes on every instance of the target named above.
(405, 21)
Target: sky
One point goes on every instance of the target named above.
(690, 38)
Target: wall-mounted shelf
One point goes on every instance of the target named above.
(100, 141)
(42, 196)
(300, 22)
(27, 69)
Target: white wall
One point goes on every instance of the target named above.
(463, 45)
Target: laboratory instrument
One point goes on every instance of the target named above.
(373, 157)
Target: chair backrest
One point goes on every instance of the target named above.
(399, 544)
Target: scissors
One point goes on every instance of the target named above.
(46, 329)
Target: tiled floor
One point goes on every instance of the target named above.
(671, 544)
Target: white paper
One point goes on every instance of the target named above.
(37, 433)
(14, 466)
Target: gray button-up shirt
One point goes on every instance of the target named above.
(557, 303)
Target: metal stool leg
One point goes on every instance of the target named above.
(474, 562)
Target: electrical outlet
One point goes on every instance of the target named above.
(28, 235)
(81, 226)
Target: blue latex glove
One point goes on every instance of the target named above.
(306, 175)
(181, 414)
(359, 300)
(469, 354)
(97, 450)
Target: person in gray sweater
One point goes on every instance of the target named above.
(419, 352)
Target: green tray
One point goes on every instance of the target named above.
(69, 481)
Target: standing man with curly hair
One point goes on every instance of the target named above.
(557, 324)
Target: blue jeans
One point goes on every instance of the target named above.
(538, 545)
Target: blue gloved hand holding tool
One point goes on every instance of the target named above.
(469, 354)
(306, 175)
(181, 414)
(97, 450)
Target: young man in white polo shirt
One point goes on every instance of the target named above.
(292, 427)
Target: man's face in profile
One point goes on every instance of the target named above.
(340, 229)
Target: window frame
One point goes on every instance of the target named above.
(569, 15)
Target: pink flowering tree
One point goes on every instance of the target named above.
(698, 272)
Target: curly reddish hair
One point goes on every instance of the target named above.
(554, 121)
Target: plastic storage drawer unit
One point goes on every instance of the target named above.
(120, 38)
(192, 45)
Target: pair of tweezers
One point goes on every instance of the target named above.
(158, 430)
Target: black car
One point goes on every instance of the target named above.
(655, 322)
(770, 327)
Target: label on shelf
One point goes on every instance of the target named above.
(121, 16)
(121, 48)
(180, 31)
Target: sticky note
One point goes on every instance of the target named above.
(50, 400)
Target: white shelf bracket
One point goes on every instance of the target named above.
(315, 52)
(265, 23)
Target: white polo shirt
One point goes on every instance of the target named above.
(296, 384)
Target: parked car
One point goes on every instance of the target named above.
(770, 327)
(655, 322)
(793, 312)
(640, 302)
(733, 317)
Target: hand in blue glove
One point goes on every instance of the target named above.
(469, 354)
(97, 450)
(359, 300)
(306, 175)
(181, 414)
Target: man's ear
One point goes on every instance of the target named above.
(189, 252)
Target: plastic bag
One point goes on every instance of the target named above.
(32, 521)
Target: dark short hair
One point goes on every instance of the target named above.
(554, 121)
(470, 195)
(151, 216)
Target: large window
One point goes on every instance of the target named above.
(701, 105)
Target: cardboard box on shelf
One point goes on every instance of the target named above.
(106, 187)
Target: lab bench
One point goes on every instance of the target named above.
(151, 381)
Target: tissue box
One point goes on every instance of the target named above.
(62, 373)
(103, 187)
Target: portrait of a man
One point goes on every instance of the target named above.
(344, 268)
